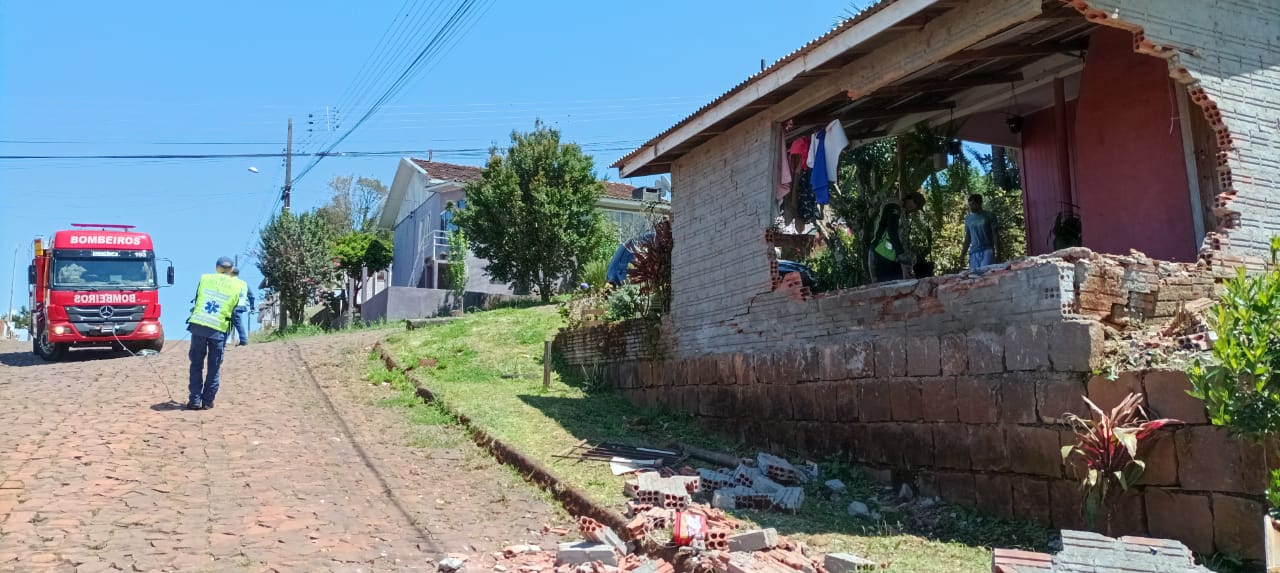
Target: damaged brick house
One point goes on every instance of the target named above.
(1157, 121)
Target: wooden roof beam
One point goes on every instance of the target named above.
(926, 86)
(998, 52)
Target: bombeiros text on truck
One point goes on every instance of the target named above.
(95, 286)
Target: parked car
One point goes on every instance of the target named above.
(806, 274)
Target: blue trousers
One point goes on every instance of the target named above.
(203, 387)
(241, 326)
(979, 258)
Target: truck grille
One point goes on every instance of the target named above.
(89, 320)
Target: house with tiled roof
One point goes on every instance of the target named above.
(416, 211)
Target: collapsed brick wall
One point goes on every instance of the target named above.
(990, 441)
(1226, 55)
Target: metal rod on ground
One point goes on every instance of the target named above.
(546, 364)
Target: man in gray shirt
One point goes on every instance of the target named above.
(979, 235)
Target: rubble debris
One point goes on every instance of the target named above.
(713, 480)
(757, 540)
(906, 493)
(717, 539)
(836, 486)
(755, 479)
(788, 498)
(607, 451)
(654, 566)
(451, 564)
(514, 550)
(859, 509)
(1085, 551)
(577, 553)
(740, 497)
(593, 530)
(780, 470)
(688, 528)
(846, 562)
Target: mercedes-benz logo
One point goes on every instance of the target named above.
(106, 312)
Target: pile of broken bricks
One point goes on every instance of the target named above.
(664, 500)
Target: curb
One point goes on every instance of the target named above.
(575, 501)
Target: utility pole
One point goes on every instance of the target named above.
(288, 168)
(8, 320)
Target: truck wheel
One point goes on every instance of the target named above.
(49, 351)
(156, 345)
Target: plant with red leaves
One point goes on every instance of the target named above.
(1107, 451)
(651, 268)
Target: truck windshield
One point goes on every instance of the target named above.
(103, 272)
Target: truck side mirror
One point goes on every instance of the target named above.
(169, 275)
(31, 274)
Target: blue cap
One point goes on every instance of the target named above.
(225, 262)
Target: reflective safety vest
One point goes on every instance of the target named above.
(881, 244)
(216, 299)
(243, 302)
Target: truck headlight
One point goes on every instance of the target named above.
(149, 329)
(61, 329)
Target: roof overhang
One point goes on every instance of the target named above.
(406, 171)
(907, 62)
(764, 89)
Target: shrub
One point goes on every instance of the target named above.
(1241, 388)
(1108, 447)
(651, 269)
(625, 302)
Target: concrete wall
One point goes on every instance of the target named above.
(1227, 55)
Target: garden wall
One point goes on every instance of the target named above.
(958, 385)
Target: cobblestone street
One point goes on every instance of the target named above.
(100, 470)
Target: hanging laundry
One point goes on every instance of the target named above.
(784, 177)
(830, 141)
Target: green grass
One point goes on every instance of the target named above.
(309, 330)
(489, 368)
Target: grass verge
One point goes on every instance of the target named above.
(488, 367)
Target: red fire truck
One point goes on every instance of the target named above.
(95, 286)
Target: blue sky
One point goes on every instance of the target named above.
(127, 78)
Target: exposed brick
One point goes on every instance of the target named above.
(951, 446)
(1183, 516)
(1026, 347)
(957, 488)
(917, 445)
(904, 398)
(1076, 346)
(1017, 401)
(874, 402)
(1158, 452)
(814, 439)
(986, 352)
(839, 440)
(1108, 394)
(892, 452)
(977, 400)
(1034, 451)
(847, 400)
(927, 484)
(987, 448)
(1167, 395)
(1057, 396)
(1067, 509)
(954, 353)
(994, 494)
(868, 442)
(1237, 526)
(923, 356)
(890, 357)
(938, 397)
(1031, 497)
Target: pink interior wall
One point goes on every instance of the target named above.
(1040, 181)
(1131, 172)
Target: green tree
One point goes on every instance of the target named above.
(295, 257)
(353, 204)
(357, 251)
(532, 216)
(21, 319)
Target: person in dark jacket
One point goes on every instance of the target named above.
(887, 253)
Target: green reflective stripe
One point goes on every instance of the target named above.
(216, 299)
(884, 246)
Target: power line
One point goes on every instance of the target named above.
(318, 154)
